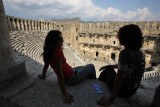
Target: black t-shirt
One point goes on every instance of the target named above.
(133, 63)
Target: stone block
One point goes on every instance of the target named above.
(156, 99)
(13, 71)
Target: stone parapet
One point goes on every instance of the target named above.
(16, 23)
(151, 74)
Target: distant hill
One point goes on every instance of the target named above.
(76, 19)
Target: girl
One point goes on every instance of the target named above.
(131, 66)
(53, 56)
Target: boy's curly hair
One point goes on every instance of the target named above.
(130, 36)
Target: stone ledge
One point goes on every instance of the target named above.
(11, 72)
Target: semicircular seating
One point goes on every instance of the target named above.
(30, 43)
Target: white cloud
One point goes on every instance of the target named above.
(145, 14)
(83, 9)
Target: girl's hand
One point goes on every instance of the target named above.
(68, 98)
(104, 101)
(41, 76)
(104, 67)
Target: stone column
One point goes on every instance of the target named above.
(10, 24)
(14, 25)
(35, 25)
(28, 24)
(38, 24)
(53, 26)
(7, 61)
(44, 25)
(22, 25)
(25, 25)
(48, 26)
(43, 28)
(31, 25)
(18, 24)
(41, 25)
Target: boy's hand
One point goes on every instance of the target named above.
(68, 98)
(104, 101)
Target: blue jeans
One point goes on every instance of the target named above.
(81, 73)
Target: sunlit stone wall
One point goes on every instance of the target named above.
(97, 40)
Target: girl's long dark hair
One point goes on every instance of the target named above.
(130, 36)
(51, 44)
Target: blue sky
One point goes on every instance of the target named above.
(86, 10)
(132, 5)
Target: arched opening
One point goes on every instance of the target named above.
(76, 29)
(113, 56)
(76, 37)
(62, 28)
(97, 54)
(93, 40)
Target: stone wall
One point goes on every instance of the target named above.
(15, 23)
(108, 48)
(69, 31)
(150, 28)
(9, 68)
(99, 46)
(96, 40)
(102, 36)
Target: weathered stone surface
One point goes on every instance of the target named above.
(156, 99)
(6, 51)
(9, 68)
(15, 70)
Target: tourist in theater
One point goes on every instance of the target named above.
(53, 56)
(131, 66)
